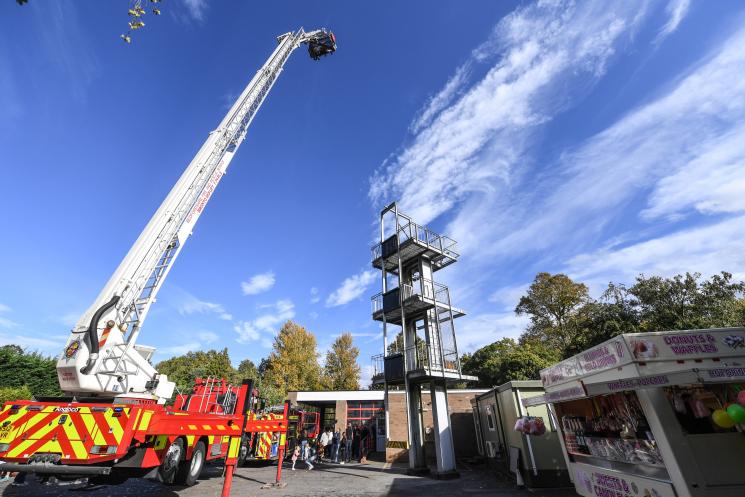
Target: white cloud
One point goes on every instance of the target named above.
(181, 349)
(189, 304)
(314, 296)
(258, 283)
(366, 374)
(711, 180)
(682, 147)
(676, 10)
(351, 288)
(313, 315)
(709, 249)
(473, 332)
(196, 8)
(49, 345)
(249, 331)
(6, 322)
(508, 296)
(208, 337)
(473, 145)
(442, 99)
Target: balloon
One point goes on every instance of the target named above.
(741, 397)
(737, 413)
(722, 419)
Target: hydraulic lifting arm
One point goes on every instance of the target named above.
(101, 357)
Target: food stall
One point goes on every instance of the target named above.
(654, 414)
(535, 460)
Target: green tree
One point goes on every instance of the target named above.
(601, 320)
(506, 360)
(247, 370)
(553, 303)
(10, 394)
(293, 362)
(685, 302)
(19, 368)
(185, 368)
(341, 371)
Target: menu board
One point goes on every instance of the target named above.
(591, 481)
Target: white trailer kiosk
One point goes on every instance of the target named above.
(646, 414)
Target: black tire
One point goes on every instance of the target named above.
(171, 460)
(243, 451)
(189, 471)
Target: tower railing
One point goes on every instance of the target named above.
(423, 235)
(421, 287)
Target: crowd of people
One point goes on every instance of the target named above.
(338, 446)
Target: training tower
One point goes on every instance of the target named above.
(418, 329)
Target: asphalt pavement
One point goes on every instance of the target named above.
(375, 479)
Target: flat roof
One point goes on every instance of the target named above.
(332, 396)
(512, 384)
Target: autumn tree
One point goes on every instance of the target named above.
(553, 303)
(293, 362)
(341, 371)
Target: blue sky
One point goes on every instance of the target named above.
(598, 139)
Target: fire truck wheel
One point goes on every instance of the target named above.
(171, 460)
(189, 471)
(242, 454)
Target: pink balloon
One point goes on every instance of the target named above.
(741, 398)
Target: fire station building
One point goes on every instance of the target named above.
(367, 406)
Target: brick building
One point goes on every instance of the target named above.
(366, 406)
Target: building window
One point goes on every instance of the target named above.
(329, 417)
(370, 413)
(490, 416)
(360, 412)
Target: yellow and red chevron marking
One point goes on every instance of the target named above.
(70, 430)
(264, 446)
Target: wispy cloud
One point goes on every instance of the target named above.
(314, 295)
(181, 349)
(208, 337)
(676, 10)
(4, 321)
(67, 44)
(486, 328)
(250, 331)
(351, 288)
(196, 8)
(707, 249)
(442, 99)
(186, 304)
(549, 52)
(258, 283)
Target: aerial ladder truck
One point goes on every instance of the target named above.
(114, 422)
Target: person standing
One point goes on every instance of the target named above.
(323, 443)
(335, 438)
(303, 444)
(348, 435)
(364, 441)
(343, 447)
(310, 456)
(356, 443)
(295, 455)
